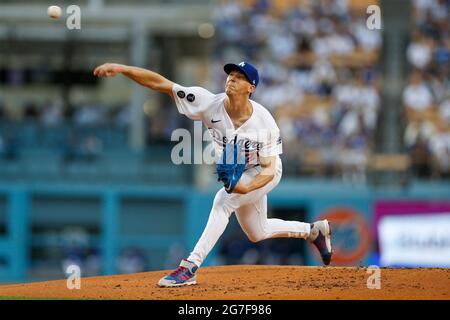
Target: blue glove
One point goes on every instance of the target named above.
(231, 166)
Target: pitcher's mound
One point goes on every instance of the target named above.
(253, 282)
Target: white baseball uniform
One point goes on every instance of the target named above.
(258, 136)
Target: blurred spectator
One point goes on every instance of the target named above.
(251, 257)
(420, 157)
(93, 263)
(416, 139)
(417, 96)
(323, 76)
(439, 145)
(52, 114)
(350, 124)
(366, 39)
(176, 253)
(442, 51)
(84, 148)
(122, 116)
(354, 159)
(91, 148)
(444, 110)
(131, 260)
(440, 84)
(419, 51)
(88, 115)
(75, 242)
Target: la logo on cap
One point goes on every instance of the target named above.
(242, 64)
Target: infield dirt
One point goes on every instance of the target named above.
(259, 282)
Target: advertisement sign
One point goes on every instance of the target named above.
(413, 233)
(351, 235)
(415, 240)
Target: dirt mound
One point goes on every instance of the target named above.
(253, 282)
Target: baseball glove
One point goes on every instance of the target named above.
(231, 166)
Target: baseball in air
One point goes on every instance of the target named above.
(54, 12)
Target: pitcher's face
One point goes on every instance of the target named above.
(238, 84)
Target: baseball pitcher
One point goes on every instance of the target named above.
(248, 146)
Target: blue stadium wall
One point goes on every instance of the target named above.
(157, 217)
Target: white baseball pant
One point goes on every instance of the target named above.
(251, 213)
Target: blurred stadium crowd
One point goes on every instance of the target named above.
(321, 79)
(79, 132)
(426, 98)
(318, 64)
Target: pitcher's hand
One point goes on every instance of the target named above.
(108, 70)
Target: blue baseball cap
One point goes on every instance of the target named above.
(246, 68)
